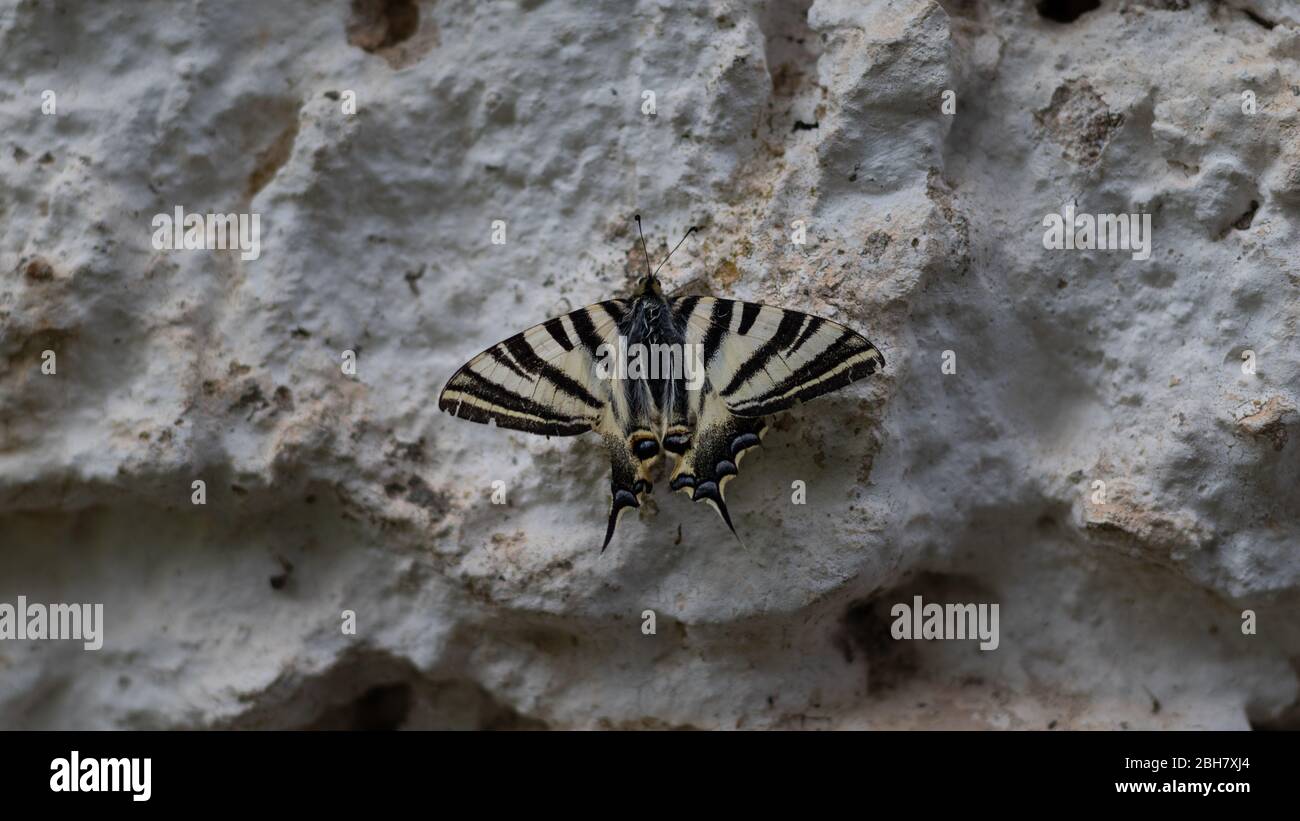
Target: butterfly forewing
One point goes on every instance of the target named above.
(762, 359)
(540, 381)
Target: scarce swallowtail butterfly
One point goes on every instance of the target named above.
(556, 379)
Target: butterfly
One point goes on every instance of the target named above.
(717, 369)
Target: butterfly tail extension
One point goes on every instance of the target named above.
(713, 460)
(627, 484)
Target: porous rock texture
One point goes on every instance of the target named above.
(1121, 604)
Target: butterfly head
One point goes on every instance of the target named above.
(649, 286)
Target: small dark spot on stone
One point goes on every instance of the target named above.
(300, 332)
(38, 270)
(419, 493)
(279, 580)
(800, 125)
(412, 277)
(283, 398)
(238, 491)
(409, 451)
(251, 399)
(46, 158)
(877, 242)
(332, 95)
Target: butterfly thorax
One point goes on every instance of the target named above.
(653, 332)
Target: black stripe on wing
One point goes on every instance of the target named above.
(528, 359)
(585, 328)
(719, 322)
(785, 335)
(813, 324)
(471, 396)
(555, 327)
(849, 358)
(748, 314)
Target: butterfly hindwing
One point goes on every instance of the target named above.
(712, 457)
(758, 360)
(545, 380)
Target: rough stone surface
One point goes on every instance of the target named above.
(329, 492)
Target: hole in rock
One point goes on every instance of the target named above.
(1066, 11)
(382, 707)
(381, 24)
(1288, 720)
(1243, 222)
(866, 630)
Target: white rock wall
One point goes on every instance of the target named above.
(924, 232)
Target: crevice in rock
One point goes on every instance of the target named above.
(1258, 19)
(382, 707)
(272, 158)
(791, 51)
(1287, 719)
(373, 689)
(1243, 222)
(865, 629)
(1066, 11)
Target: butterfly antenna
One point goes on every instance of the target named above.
(689, 231)
(644, 249)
